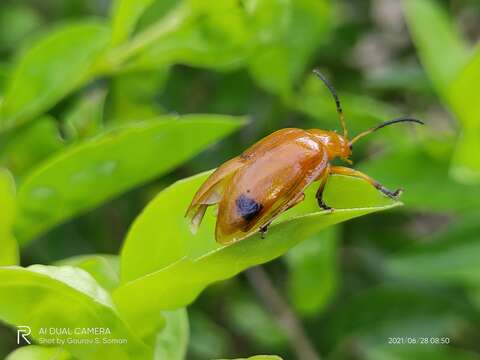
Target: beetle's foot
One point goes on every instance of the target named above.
(263, 230)
(397, 193)
(324, 206)
(391, 194)
(329, 210)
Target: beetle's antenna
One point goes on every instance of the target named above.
(337, 100)
(386, 123)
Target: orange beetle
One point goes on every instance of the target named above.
(270, 177)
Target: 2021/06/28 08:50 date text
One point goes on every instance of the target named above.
(435, 340)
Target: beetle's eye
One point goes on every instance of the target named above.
(350, 146)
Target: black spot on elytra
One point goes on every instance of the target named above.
(247, 207)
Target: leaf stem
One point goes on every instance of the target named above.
(118, 56)
(285, 317)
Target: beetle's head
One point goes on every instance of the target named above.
(336, 145)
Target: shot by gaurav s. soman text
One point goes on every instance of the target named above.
(239, 179)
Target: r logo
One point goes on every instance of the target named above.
(22, 332)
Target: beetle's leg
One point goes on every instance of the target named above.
(263, 229)
(342, 170)
(323, 181)
(319, 194)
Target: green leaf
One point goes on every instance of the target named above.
(449, 257)
(445, 55)
(41, 135)
(156, 13)
(134, 95)
(105, 269)
(88, 174)
(17, 21)
(210, 34)
(463, 97)
(171, 342)
(465, 166)
(8, 243)
(313, 272)
(4, 75)
(119, 57)
(442, 50)
(286, 35)
(185, 264)
(65, 297)
(36, 352)
(125, 16)
(52, 68)
(85, 118)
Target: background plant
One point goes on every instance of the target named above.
(104, 106)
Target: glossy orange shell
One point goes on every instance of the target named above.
(265, 180)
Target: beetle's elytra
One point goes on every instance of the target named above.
(271, 176)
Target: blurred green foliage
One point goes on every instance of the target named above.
(63, 185)
(9, 254)
(104, 104)
(454, 72)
